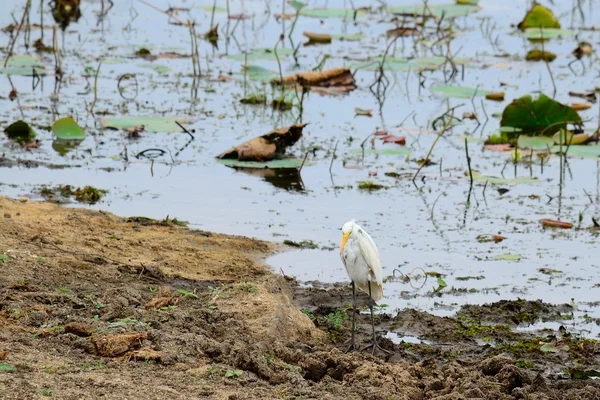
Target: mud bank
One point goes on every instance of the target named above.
(93, 305)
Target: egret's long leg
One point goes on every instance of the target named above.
(374, 344)
(352, 342)
(372, 317)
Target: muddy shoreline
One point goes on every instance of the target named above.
(97, 305)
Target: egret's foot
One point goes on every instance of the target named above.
(374, 346)
(352, 347)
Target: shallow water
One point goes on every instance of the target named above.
(428, 225)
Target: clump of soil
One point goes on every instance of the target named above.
(93, 305)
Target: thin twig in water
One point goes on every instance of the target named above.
(447, 124)
(470, 170)
(19, 28)
(333, 156)
(164, 12)
(185, 130)
(303, 161)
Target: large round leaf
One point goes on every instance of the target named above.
(450, 10)
(67, 129)
(541, 116)
(150, 123)
(460, 92)
(23, 65)
(20, 132)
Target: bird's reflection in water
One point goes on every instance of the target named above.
(282, 178)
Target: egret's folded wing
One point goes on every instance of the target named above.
(371, 254)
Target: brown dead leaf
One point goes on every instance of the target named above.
(496, 96)
(334, 77)
(115, 345)
(589, 96)
(469, 115)
(78, 329)
(498, 238)
(285, 17)
(551, 223)
(317, 37)
(163, 299)
(403, 31)
(239, 17)
(363, 112)
(225, 78)
(3, 355)
(497, 147)
(381, 133)
(213, 33)
(146, 354)
(400, 140)
(267, 146)
(584, 49)
(580, 106)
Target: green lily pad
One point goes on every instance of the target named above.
(545, 33)
(297, 5)
(20, 131)
(404, 64)
(501, 181)
(388, 151)
(331, 13)
(23, 65)
(450, 10)
(580, 151)
(539, 17)
(7, 368)
(209, 8)
(161, 69)
(508, 257)
(354, 37)
(541, 116)
(67, 129)
(262, 74)
(534, 142)
(460, 92)
(288, 162)
(151, 123)
(263, 54)
(114, 60)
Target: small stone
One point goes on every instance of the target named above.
(23, 199)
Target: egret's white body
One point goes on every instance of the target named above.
(361, 259)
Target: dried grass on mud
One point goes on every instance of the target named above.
(94, 306)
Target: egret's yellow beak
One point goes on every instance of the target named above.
(344, 240)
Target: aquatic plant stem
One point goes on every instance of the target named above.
(95, 89)
(279, 65)
(548, 64)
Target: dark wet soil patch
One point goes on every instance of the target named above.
(517, 312)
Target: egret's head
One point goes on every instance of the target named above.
(346, 231)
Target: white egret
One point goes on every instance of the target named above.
(361, 259)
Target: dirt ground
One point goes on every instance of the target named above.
(97, 306)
